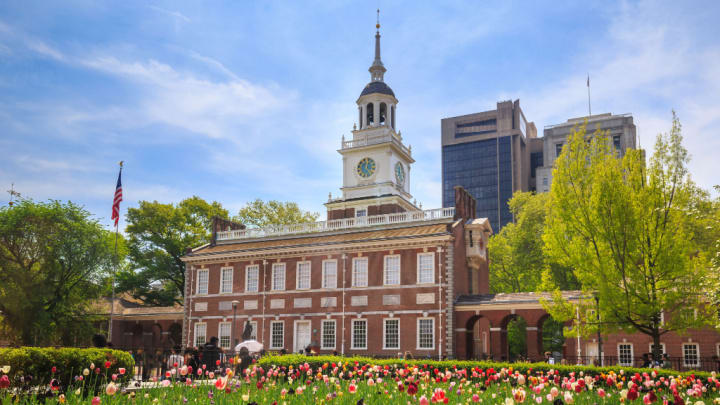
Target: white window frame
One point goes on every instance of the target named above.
(322, 334)
(256, 269)
(224, 280)
(272, 334)
(228, 325)
(207, 281)
(273, 284)
(432, 269)
(417, 334)
(325, 272)
(298, 279)
(354, 342)
(196, 333)
(386, 270)
(363, 209)
(717, 347)
(662, 347)
(697, 354)
(385, 322)
(632, 354)
(355, 274)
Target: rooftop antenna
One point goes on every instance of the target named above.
(13, 193)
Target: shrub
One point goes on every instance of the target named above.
(316, 361)
(38, 363)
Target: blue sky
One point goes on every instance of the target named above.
(233, 101)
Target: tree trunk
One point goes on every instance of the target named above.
(656, 354)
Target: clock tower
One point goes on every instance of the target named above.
(376, 163)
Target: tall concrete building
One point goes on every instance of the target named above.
(621, 131)
(488, 154)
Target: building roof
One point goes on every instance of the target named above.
(513, 298)
(128, 307)
(324, 239)
(377, 87)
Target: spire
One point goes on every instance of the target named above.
(377, 70)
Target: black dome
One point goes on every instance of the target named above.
(377, 87)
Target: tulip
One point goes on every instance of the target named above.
(95, 401)
(5, 369)
(121, 371)
(111, 389)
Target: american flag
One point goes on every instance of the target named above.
(117, 199)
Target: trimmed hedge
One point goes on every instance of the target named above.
(38, 362)
(525, 368)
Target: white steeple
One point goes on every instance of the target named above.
(376, 163)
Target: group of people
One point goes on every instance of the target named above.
(210, 357)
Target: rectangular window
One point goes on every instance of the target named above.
(200, 333)
(251, 278)
(303, 276)
(662, 348)
(392, 270)
(278, 276)
(391, 334)
(226, 280)
(691, 355)
(558, 149)
(426, 333)
(329, 274)
(359, 334)
(360, 272)
(202, 281)
(616, 142)
(426, 268)
(328, 335)
(277, 334)
(625, 354)
(224, 329)
(361, 212)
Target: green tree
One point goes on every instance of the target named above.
(259, 214)
(54, 260)
(629, 232)
(518, 261)
(158, 236)
(517, 338)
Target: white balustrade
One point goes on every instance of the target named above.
(338, 224)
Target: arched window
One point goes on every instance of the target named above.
(360, 123)
(370, 115)
(383, 113)
(392, 116)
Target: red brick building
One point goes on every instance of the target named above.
(381, 276)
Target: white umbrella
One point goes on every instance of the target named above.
(253, 346)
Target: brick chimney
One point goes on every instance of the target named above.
(464, 204)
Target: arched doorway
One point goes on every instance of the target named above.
(478, 338)
(513, 338)
(550, 337)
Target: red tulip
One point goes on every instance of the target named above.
(107, 364)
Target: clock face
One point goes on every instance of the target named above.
(366, 167)
(399, 173)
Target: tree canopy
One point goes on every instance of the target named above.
(259, 213)
(518, 261)
(54, 261)
(158, 236)
(638, 236)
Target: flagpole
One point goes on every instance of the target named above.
(112, 283)
(588, 86)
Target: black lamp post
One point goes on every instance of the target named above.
(599, 336)
(232, 328)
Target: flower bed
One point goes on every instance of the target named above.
(352, 382)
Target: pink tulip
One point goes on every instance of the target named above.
(95, 401)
